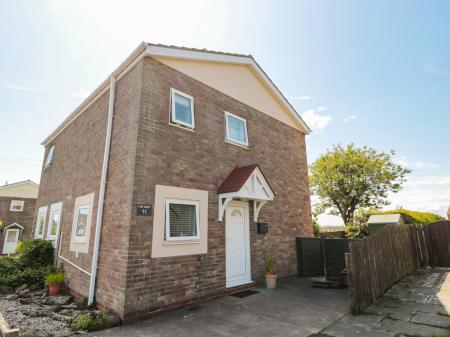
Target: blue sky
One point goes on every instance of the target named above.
(374, 73)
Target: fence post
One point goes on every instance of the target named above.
(348, 264)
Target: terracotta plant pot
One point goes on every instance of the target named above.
(271, 281)
(54, 289)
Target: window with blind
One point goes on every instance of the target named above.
(182, 220)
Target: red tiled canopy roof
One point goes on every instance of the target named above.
(237, 178)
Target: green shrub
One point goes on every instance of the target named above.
(83, 322)
(31, 264)
(413, 217)
(316, 227)
(37, 252)
(356, 231)
(54, 278)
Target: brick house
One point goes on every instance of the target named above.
(160, 178)
(17, 206)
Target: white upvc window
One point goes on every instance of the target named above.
(16, 205)
(40, 223)
(49, 158)
(83, 213)
(182, 109)
(182, 220)
(54, 221)
(236, 129)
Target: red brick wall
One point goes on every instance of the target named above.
(76, 171)
(172, 156)
(146, 151)
(24, 218)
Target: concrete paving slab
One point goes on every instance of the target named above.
(431, 319)
(340, 329)
(293, 309)
(408, 328)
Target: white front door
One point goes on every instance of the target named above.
(11, 239)
(237, 233)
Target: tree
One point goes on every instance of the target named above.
(347, 178)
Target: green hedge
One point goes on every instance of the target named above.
(33, 261)
(413, 217)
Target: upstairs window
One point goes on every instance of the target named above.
(236, 129)
(16, 206)
(49, 159)
(182, 109)
(182, 220)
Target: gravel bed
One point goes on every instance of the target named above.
(33, 319)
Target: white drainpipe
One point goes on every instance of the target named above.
(101, 195)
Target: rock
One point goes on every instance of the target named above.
(35, 287)
(70, 306)
(24, 293)
(58, 300)
(12, 297)
(62, 318)
(22, 287)
(4, 290)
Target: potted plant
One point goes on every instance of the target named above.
(344, 277)
(269, 259)
(54, 282)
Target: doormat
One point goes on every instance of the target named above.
(245, 293)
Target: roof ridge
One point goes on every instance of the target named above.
(203, 50)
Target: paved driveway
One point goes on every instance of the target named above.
(418, 305)
(293, 309)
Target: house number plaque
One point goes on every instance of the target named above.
(144, 209)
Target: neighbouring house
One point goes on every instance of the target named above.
(172, 178)
(378, 221)
(332, 231)
(17, 206)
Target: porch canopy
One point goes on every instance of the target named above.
(245, 183)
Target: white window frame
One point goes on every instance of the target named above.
(227, 133)
(197, 220)
(79, 238)
(173, 119)
(50, 155)
(54, 208)
(17, 203)
(42, 212)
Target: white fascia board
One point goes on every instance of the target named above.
(234, 59)
(196, 55)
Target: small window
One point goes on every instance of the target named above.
(182, 110)
(82, 218)
(236, 129)
(49, 159)
(40, 222)
(182, 220)
(16, 205)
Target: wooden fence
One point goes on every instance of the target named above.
(378, 261)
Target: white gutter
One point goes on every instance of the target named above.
(101, 195)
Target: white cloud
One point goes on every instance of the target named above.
(425, 193)
(316, 121)
(434, 70)
(19, 87)
(416, 164)
(349, 118)
(80, 93)
(299, 98)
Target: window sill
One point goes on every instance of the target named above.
(236, 144)
(180, 242)
(183, 127)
